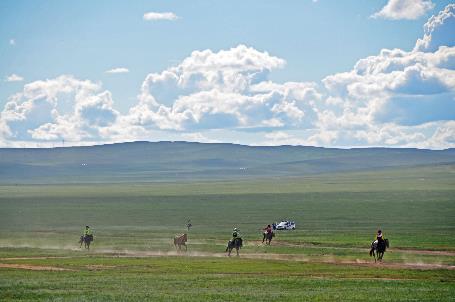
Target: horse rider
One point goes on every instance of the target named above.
(88, 232)
(380, 239)
(379, 236)
(235, 234)
(267, 230)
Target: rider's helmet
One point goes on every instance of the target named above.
(235, 229)
(86, 226)
(268, 226)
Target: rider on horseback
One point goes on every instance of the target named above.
(381, 240)
(88, 233)
(380, 237)
(267, 230)
(235, 234)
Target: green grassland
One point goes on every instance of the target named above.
(324, 259)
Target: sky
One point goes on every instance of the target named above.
(351, 73)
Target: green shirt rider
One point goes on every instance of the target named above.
(87, 231)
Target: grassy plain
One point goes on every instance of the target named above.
(325, 259)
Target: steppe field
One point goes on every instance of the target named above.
(325, 259)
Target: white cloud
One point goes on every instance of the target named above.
(404, 9)
(14, 78)
(60, 108)
(155, 16)
(118, 70)
(439, 31)
(12, 42)
(208, 90)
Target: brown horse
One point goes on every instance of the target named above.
(267, 237)
(180, 240)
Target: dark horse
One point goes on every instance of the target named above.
(180, 240)
(236, 244)
(87, 239)
(378, 249)
(267, 237)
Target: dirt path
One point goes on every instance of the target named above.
(424, 252)
(37, 257)
(33, 267)
(256, 256)
(284, 257)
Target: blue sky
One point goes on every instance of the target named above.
(316, 40)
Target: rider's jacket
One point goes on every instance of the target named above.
(235, 234)
(88, 232)
(268, 230)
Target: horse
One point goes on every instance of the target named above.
(378, 249)
(87, 239)
(267, 237)
(237, 243)
(180, 240)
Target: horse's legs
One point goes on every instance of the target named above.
(237, 249)
(186, 247)
(263, 238)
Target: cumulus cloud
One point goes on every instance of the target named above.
(61, 108)
(439, 31)
(209, 90)
(14, 78)
(155, 16)
(118, 70)
(404, 9)
(12, 42)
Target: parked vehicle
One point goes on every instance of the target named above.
(286, 225)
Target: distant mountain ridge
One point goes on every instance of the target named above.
(173, 161)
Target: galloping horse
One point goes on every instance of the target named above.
(180, 240)
(268, 237)
(87, 239)
(378, 249)
(237, 243)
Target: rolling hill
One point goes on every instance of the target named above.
(176, 161)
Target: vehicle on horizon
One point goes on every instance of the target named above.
(285, 225)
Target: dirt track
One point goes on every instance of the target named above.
(33, 267)
(262, 256)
